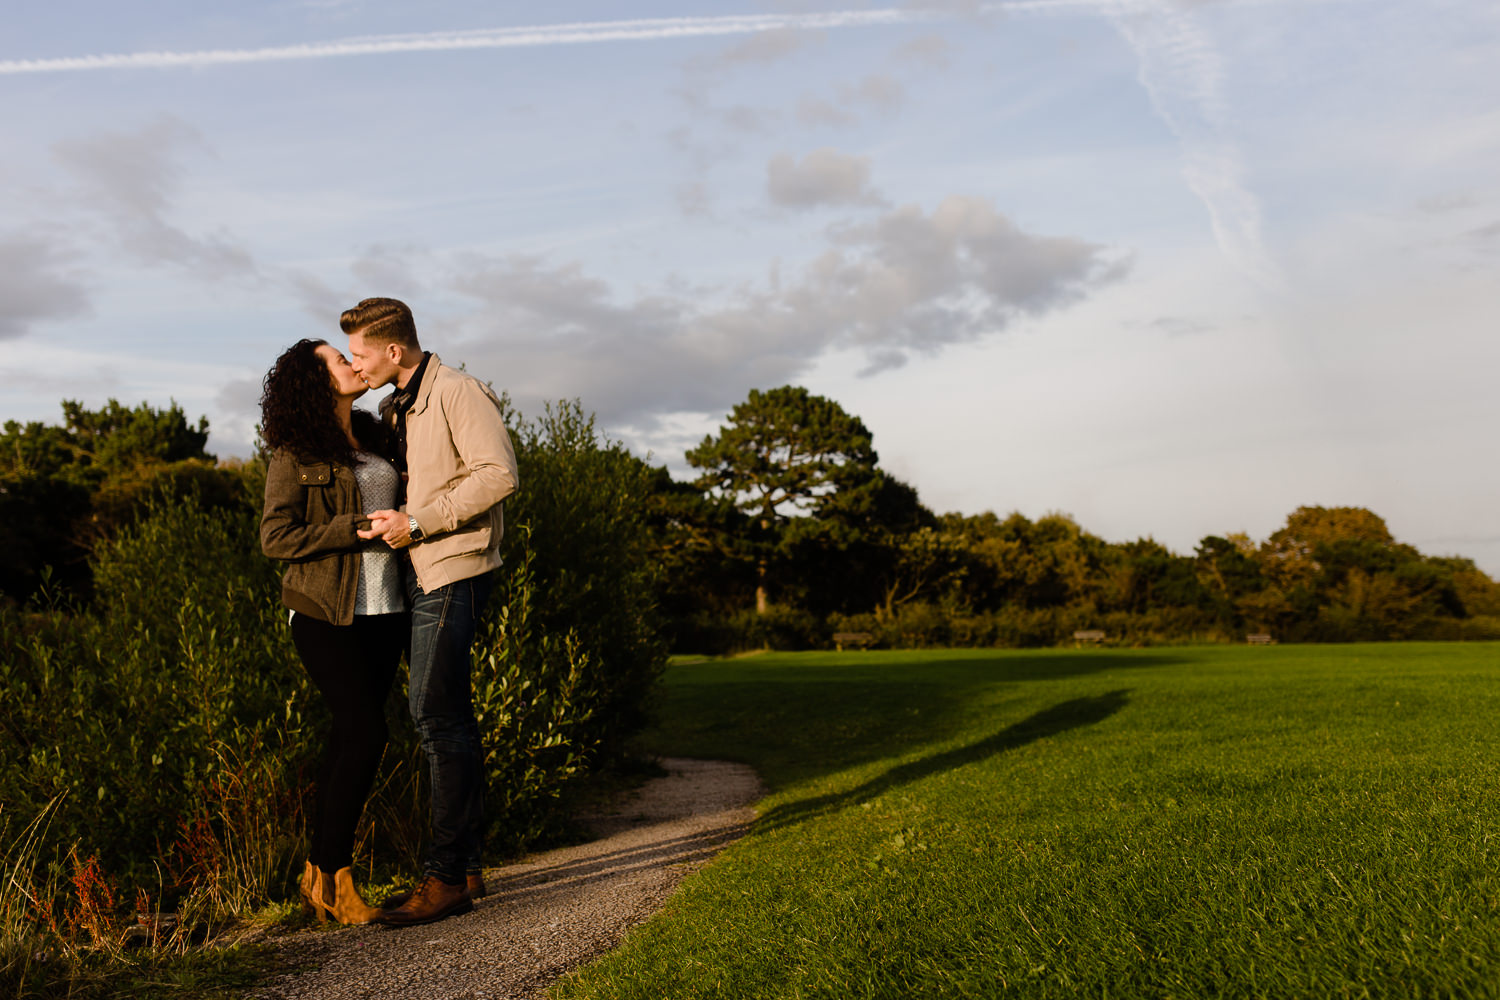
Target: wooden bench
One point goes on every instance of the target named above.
(1089, 635)
(1260, 639)
(858, 639)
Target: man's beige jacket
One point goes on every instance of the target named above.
(461, 466)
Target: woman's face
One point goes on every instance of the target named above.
(345, 382)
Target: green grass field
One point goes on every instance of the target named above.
(1296, 821)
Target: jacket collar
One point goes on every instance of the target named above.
(424, 391)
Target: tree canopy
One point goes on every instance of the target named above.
(64, 488)
(783, 453)
(790, 498)
(93, 443)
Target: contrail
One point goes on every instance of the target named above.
(582, 33)
(1183, 75)
(1178, 68)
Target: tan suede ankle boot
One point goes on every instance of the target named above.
(344, 903)
(323, 894)
(305, 886)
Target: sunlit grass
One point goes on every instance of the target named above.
(1288, 821)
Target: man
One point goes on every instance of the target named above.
(458, 464)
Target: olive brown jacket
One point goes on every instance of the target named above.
(312, 512)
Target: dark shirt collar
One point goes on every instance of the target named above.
(403, 399)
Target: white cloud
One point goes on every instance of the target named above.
(817, 112)
(881, 92)
(915, 281)
(389, 270)
(34, 286)
(692, 197)
(931, 51)
(764, 47)
(240, 397)
(906, 282)
(315, 296)
(824, 177)
(129, 179)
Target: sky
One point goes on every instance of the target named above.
(1173, 267)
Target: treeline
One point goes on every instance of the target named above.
(792, 533)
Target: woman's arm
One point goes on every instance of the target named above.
(284, 530)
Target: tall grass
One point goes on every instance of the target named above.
(25, 903)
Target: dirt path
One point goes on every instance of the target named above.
(544, 916)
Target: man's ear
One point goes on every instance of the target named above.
(396, 353)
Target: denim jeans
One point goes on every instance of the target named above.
(442, 707)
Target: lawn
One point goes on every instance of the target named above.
(1294, 821)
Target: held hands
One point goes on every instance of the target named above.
(391, 526)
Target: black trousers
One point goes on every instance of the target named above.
(352, 665)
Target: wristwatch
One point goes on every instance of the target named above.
(416, 529)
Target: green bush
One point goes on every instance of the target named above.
(584, 499)
(127, 706)
(173, 726)
(537, 696)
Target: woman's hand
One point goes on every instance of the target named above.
(391, 526)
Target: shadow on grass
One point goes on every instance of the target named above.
(1072, 714)
(1051, 666)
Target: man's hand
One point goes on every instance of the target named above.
(389, 525)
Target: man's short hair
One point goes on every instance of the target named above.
(384, 321)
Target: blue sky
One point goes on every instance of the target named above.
(1175, 267)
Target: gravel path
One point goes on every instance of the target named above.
(544, 916)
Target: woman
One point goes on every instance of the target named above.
(348, 609)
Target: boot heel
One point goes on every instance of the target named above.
(308, 887)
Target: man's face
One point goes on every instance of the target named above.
(373, 361)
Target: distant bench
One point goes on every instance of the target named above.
(1088, 635)
(1260, 639)
(857, 639)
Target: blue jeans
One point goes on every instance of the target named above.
(442, 707)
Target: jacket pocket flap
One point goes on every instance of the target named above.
(317, 474)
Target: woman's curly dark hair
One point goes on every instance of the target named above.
(298, 411)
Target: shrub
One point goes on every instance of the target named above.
(127, 707)
(172, 726)
(583, 502)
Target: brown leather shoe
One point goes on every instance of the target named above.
(474, 882)
(476, 886)
(432, 900)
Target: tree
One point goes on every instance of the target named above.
(1150, 576)
(1228, 571)
(925, 562)
(784, 452)
(855, 553)
(66, 488)
(94, 443)
(1289, 556)
(697, 540)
